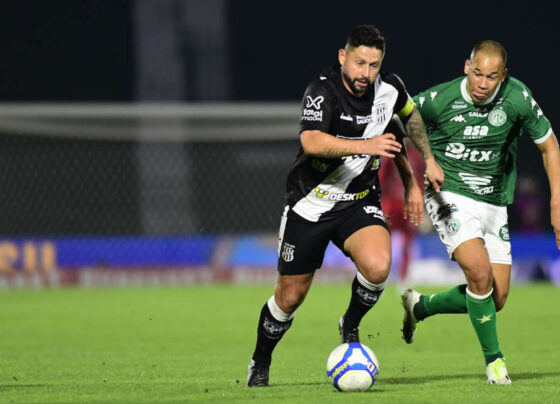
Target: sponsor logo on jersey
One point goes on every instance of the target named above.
(497, 117)
(452, 226)
(459, 105)
(459, 151)
(475, 132)
(314, 102)
(319, 165)
(477, 114)
(363, 119)
(504, 232)
(478, 184)
(458, 118)
(346, 117)
(288, 252)
(324, 194)
(312, 115)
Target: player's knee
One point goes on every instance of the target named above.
(480, 280)
(375, 268)
(290, 299)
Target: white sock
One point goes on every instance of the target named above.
(277, 312)
(368, 285)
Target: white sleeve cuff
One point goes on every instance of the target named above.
(546, 136)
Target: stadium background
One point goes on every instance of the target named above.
(148, 142)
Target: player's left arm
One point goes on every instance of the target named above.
(413, 202)
(551, 160)
(416, 132)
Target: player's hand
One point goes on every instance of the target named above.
(383, 145)
(413, 204)
(434, 174)
(555, 219)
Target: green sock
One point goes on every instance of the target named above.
(482, 313)
(450, 301)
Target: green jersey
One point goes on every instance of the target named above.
(476, 144)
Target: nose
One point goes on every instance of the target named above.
(483, 83)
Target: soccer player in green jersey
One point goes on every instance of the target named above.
(473, 124)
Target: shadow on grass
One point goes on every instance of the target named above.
(435, 378)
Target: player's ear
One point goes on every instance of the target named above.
(341, 56)
(467, 65)
(505, 74)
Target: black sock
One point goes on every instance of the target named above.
(361, 301)
(269, 332)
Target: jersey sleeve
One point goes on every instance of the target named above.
(404, 104)
(316, 107)
(532, 118)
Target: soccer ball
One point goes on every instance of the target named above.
(352, 367)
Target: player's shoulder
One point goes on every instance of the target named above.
(391, 78)
(440, 96)
(324, 83)
(515, 88)
(451, 87)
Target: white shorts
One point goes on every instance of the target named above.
(458, 218)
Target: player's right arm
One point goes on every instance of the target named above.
(322, 144)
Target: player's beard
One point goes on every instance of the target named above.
(352, 84)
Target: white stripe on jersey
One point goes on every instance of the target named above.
(382, 108)
(312, 206)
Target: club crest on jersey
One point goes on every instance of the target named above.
(314, 102)
(380, 112)
(497, 117)
(288, 252)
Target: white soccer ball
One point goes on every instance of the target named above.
(352, 367)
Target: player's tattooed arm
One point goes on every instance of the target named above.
(416, 131)
(321, 144)
(332, 153)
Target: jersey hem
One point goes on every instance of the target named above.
(473, 197)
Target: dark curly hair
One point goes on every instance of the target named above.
(366, 35)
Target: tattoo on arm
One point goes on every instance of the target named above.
(416, 131)
(333, 153)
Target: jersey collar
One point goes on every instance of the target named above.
(468, 98)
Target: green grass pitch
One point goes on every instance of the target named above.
(193, 344)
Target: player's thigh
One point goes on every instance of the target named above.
(364, 237)
(370, 248)
(301, 244)
(455, 218)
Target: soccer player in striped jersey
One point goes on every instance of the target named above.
(333, 188)
(474, 123)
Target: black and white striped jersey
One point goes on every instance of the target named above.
(319, 188)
